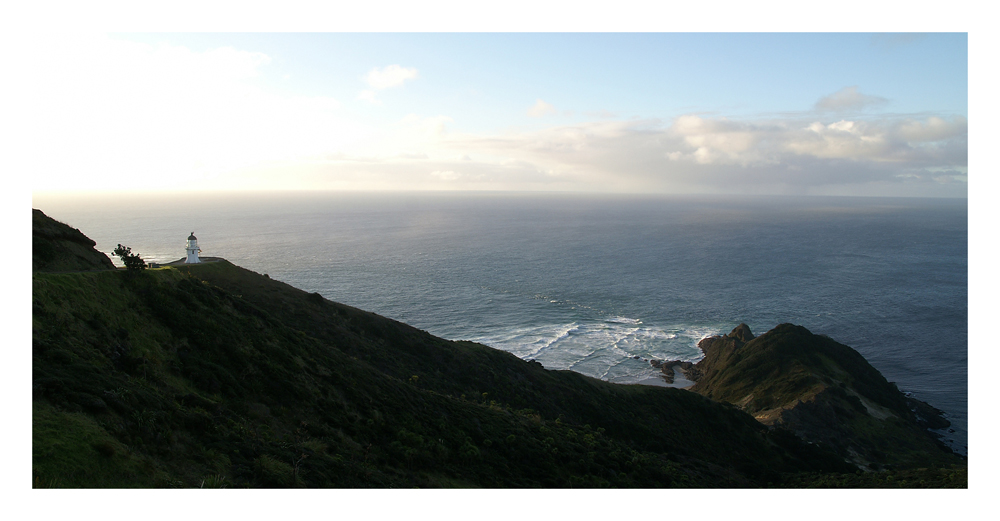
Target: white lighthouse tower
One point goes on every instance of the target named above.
(192, 250)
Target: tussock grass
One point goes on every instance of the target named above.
(211, 375)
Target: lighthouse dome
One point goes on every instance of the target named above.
(192, 237)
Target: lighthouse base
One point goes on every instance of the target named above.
(201, 260)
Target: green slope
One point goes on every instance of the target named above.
(57, 247)
(212, 375)
(823, 391)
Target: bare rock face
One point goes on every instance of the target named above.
(742, 332)
(668, 369)
(57, 247)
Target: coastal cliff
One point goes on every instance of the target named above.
(212, 375)
(58, 247)
(823, 391)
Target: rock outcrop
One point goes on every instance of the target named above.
(823, 391)
(58, 247)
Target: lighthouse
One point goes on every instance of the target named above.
(192, 250)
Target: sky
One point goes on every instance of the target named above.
(769, 113)
(107, 96)
(828, 113)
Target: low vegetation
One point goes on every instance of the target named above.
(214, 376)
(824, 392)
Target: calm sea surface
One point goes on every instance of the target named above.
(586, 282)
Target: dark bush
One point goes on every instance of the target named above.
(133, 263)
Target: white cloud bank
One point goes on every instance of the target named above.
(821, 152)
(112, 115)
(905, 156)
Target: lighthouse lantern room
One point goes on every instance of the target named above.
(192, 250)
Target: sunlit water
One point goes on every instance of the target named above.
(590, 282)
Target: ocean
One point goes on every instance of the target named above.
(589, 282)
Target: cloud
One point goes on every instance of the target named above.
(389, 76)
(932, 129)
(385, 78)
(446, 175)
(540, 109)
(848, 99)
(701, 154)
(369, 96)
(110, 114)
(411, 155)
(113, 114)
(718, 140)
(690, 154)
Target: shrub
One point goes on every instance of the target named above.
(469, 450)
(133, 263)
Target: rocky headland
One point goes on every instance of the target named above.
(212, 375)
(823, 391)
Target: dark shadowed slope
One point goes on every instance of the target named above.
(823, 391)
(213, 375)
(58, 247)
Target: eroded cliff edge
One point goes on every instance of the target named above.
(823, 391)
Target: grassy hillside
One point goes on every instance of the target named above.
(212, 375)
(57, 247)
(823, 391)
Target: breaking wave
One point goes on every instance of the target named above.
(616, 349)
